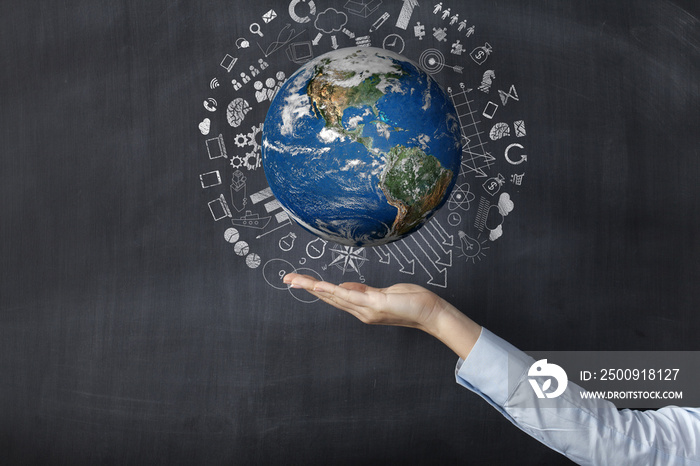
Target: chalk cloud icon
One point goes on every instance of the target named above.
(330, 20)
(495, 215)
(505, 205)
(204, 126)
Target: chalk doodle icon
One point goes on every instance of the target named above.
(362, 8)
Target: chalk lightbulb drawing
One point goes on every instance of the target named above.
(472, 248)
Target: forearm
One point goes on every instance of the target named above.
(454, 329)
(587, 430)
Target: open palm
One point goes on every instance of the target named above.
(402, 304)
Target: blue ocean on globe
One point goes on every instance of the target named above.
(361, 146)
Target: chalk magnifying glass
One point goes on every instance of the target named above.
(255, 29)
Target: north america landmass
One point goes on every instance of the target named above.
(413, 181)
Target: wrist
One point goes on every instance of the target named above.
(454, 329)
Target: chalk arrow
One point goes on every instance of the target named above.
(447, 253)
(406, 265)
(334, 42)
(406, 12)
(348, 33)
(317, 38)
(384, 257)
(440, 275)
(437, 258)
(445, 238)
(523, 157)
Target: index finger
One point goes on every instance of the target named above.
(296, 280)
(350, 295)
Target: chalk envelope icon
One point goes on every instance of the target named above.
(361, 146)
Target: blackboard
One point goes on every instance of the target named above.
(134, 329)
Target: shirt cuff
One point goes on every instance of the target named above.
(486, 369)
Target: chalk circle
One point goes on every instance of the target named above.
(301, 19)
(394, 42)
(241, 248)
(252, 260)
(454, 219)
(274, 271)
(231, 235)
(302, 295)
(432, 61)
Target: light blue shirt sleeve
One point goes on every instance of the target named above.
(589, 432)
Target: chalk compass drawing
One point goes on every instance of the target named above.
(348, 258)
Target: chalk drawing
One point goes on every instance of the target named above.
(310, 5)
(405, 14)
(255, 29)
(379, 22)
(523, 157)
(511, 94)
(210, 179)
(475, 158)
(393, 42)
(472, 248)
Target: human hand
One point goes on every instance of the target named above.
(403, 304)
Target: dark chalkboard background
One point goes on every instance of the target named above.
(130, 333)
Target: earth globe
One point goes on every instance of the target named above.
(361, 146)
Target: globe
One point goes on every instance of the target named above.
(361, 146)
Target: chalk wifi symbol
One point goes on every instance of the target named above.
(214, 83)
